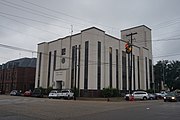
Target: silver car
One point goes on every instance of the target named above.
(54, 94)
(140, 95)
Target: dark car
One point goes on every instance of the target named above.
(28, 93)
(152, 96)
(37, 93)
(172, 96)
(15, 93)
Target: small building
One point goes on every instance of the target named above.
(92, 60)
(18, 75)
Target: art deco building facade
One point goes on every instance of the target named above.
(93, 60)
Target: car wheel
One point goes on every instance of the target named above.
(68, 97)
(144, 98)
(164, 100)
(127, 98)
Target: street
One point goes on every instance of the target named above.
(28, 108)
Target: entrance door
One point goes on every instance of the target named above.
(59, 84)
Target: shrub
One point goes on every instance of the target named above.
(110, 92)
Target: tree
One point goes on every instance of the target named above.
(169, 73)
(159, 73)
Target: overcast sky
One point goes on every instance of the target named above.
(25, 23)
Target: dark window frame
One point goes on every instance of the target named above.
(124, 71)
(99, 66)
(110, 67)
(86, 65)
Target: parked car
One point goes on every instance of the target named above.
(28, 93)
(37, 93)
(152, 96)
(54, 94)
(15, 93)
(161, 95)
(137, 95)
(172, 96)
(140, 95)
(66, 94)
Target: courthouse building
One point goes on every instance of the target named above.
(92, 60)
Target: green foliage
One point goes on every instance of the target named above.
(169, 73)
(110, 92)
(48, 90)
(75, 91)
(176, 84)
(150, 91)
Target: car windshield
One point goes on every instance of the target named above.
(171, 94)
(65, 91)
(37, 91)
(14, 91)
(54, 91)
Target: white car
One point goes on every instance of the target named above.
(140, 95)
(66, 94)
(137, 95)
(54, 94)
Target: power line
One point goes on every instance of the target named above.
(65, 14)
(29, 25)
(35, 20)
(36, 12)
(20, 32)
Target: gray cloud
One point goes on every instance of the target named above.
(162, 16)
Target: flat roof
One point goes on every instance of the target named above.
(136, 27)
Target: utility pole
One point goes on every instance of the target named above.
(130, 56)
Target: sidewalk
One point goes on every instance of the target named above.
(113, 99)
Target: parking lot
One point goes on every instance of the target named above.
(29, 108)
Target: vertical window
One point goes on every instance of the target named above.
(79, 60)
(72, 66)
(63, 51)
(49, 69)
(86, 65)
(39, 70)
(54, 65)
(99, 66)
(134, 73)
(75, 65)
(110, 67)
(146, 73)
(124, 71)
(117, 70)
(138, 70)
(150, 73)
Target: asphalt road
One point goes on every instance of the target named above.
(28, 108)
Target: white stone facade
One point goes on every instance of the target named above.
(94, 60)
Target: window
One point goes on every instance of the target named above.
(146, 73)
(99, 66)
(150, 73)
(86, 65)
(117, 70)
(63, 51)
(110, 67)
(124, 72)
(134, 73)
(79, 60)
(39, 69)
(72, 66)
(54, 65)
(49, 69)
(138, 70)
